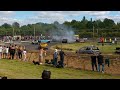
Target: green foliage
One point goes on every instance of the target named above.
(84, 28)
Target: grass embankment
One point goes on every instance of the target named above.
(15, 69)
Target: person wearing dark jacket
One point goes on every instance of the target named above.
(100, 62)
(46, 74)
(12, 52)
(61, 53)
(93, 62)
(55, 57)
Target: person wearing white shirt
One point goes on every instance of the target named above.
(7, 52)
(24, 55)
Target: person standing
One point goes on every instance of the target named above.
(4, 52)
(12, 52)
(20, 50)
(100, 62)
(41, 51)
(110, 40)
(16, 51)
(61, 53)
(7, 52)
(55, 57)
(93, 62)
(115, 40)
(24, 54)
(1, 48)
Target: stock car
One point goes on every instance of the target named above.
(88, 50)
(43, 45)
(35, 42)
(43, 41)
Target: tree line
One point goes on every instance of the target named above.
(84, 27)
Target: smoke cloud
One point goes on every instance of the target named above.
(63, 32)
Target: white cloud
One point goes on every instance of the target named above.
(59, 16)
(116, 18)
(98, 13)
(8, 20)
(6, 13)
(51, 16)
(62, 16)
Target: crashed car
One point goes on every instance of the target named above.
(88, 50)
(35, 42)
(43, 41)
(43, 45)
(64, 41)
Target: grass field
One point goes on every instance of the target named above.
(15, 69)
(75, 46)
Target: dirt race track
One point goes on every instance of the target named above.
(73, 60)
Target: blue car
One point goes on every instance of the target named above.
(43, 41)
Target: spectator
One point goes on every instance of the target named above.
(100, 62)
(16, 51)
(110, 40)
(55, 57)
(12, 52)
(93, 62)
(41, 51)
(4, 52)
(1, 48)
(46, 74)
(24, 55)
(61, 53)
(7, 52)
(20, 50)
(115, 40)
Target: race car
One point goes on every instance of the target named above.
(43, 45)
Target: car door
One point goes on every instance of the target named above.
(82, 50)
(88, 50)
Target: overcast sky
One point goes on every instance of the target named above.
(29, 17)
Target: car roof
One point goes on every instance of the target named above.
(89, 47)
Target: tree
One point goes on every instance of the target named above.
(83, 18)
(5, 25)
(109, 23)
(89, 25)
